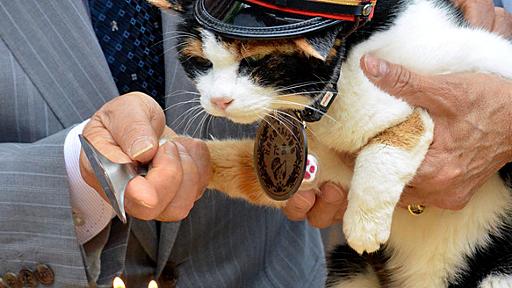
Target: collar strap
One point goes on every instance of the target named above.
(324, 100)
(347, 10)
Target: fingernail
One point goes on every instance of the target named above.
(375, 67)
(140, 146)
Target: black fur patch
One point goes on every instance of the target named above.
(496, 258)
(344, 262)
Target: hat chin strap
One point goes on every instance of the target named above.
(324, 100)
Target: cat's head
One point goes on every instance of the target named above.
(243, 80)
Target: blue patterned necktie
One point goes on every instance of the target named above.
(130, 35)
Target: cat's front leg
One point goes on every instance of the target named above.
(233, 172)
(383, 168)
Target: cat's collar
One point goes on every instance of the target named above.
(319, 107)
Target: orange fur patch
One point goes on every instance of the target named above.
(308, 49)
(234, 174)
(260, 48)
(404, 135)
(244, 49)
(193, 48)
(160, 3)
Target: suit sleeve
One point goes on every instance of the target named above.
(36, 222)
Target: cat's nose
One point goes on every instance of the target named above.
(221, 102)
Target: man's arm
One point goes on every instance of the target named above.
(36, 224)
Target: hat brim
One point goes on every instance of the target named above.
(239, 20)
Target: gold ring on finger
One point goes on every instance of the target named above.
(416, 209)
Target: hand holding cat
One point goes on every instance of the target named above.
(482, 13)
(127, 129)
(472, 136)
(322, 208)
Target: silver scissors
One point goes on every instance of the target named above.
(113, 177)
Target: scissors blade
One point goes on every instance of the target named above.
(113, 177)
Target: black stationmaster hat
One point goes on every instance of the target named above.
(271, 19)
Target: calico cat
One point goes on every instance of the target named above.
(387, 247)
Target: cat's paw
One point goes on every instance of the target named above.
(366, 229)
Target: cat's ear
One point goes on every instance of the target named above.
(176, 5)
(319, 45)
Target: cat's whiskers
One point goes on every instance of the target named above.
(183, 34)
(191, 121)
(183, 116)
(299, 85)
(175, 47)
(304, 106)
(168, 39)
(288, 118)
(281, 122)
(262, 118)
(202, 123)
(195, 100)
(181, 92)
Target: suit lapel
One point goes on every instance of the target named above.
(175, 81)
(55, 44)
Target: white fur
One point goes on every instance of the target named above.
(380, 175)
(497, 281)
(426, 251)
(432, 247)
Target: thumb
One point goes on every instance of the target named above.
(128, 125)
(398, 81)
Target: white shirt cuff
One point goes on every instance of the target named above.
(91, 213)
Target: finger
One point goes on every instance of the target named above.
(181, 204)
(200, 154)
(299, 204)
(503, 23)
(137, 133)
(101, 139)
(330, 200)
(410, 196)
(399, 81)
(479, 13)
(146, 198)
(169, 134)
(415, 192)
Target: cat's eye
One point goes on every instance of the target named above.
(200, 63)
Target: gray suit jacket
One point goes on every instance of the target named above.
(507, 4)
(53, 75)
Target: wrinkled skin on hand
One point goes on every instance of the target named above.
(127, 129)
(472, 135)
(482, 13)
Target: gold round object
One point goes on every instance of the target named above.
(416, 209)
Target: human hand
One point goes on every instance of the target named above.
(472, 134)
(128, 129)
(483, 14)
(322, 208)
